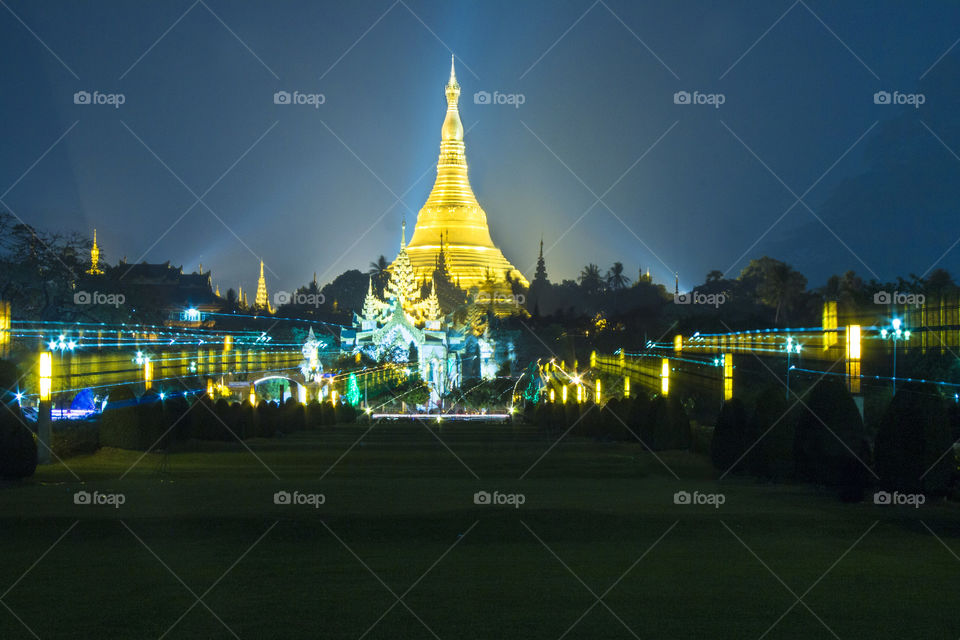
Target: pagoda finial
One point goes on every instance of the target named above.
(541, 246)
(452, 130)
(403, 233)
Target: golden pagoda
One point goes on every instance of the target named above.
(452, 219)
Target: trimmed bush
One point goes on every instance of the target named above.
(772, 457)
(831, 446)
(18, 445)
(137, 426)
(75, 439)
(913, 447)
(314, 415)
(953, 412)
(667, 425)
(345, 413)
(730, 437)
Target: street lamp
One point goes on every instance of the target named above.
(791, 348)
(62, 344)
(898, 333)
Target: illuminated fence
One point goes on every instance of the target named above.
(659, 371)
(89, 355)
(712, 364)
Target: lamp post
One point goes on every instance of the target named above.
(44, 429)
(62, 344)
(897, 333)
(791, 348)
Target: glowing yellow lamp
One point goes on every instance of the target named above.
(853, 342)
(598, 392)
(46, 375)
(665, 376)
(727, 376)
(626, 387)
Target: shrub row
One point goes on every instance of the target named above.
(823, 440)
(150, 423)
(660, 423)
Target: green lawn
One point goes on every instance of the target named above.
(403, 503)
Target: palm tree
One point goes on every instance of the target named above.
(380, 272)
(615, 278)
(590, 279)
(783, 287)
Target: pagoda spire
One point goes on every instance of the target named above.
(262, 300)
(95, 269)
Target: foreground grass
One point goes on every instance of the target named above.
(399, 514)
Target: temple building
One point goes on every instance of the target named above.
(408, 322)
(180, 299)
(453, 219)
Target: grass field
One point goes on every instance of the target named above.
(597, 550)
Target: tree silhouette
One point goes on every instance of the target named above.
(590, 279)
(380, 272)
(615, 277)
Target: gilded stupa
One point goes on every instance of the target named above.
(452, 219)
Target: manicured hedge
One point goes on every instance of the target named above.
(661, 423)
(149, 423)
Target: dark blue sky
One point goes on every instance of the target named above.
(302, 185)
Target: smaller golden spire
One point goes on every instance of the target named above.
(262, 300)
(95, 269)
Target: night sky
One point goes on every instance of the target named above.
(682, 187)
